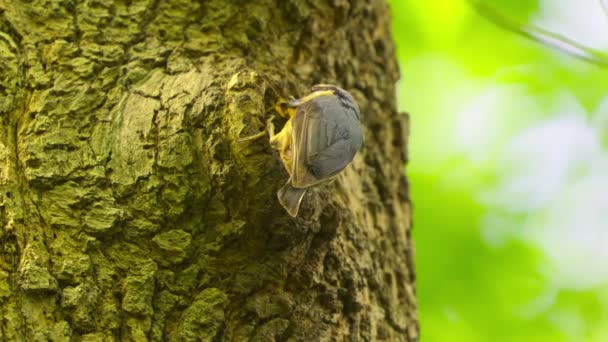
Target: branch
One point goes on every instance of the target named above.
(542, 36)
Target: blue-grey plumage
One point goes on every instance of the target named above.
(324, 136)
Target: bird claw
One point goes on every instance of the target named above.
(278, 108)
(269, 129)
(252, 137)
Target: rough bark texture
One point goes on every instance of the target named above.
(129, 211)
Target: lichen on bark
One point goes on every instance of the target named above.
(129, 210)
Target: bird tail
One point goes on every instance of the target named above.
(291, 197)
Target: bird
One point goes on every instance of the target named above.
(320, 138)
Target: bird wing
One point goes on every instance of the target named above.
(322, 148)
(331, 160)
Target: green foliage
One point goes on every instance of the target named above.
(472, 285)
(519, 8)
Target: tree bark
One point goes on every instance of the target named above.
(129, 210)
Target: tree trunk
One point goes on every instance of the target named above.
(129, 210)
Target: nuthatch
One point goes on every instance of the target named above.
(319, 140)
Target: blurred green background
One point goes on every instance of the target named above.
(509, 171)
